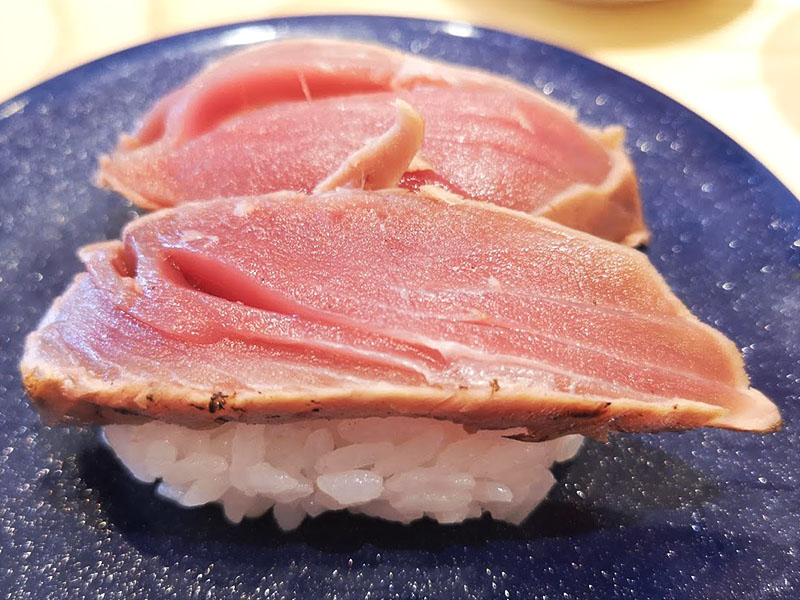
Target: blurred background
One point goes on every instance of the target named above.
(736, 62)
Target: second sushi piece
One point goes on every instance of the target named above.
(283, 115)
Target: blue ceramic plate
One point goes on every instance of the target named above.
(707, 514)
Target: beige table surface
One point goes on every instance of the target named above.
(736, 62)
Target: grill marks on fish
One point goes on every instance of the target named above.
(285, 115)
(386, 302)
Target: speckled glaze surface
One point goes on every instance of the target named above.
(707, 514)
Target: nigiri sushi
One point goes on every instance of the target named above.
(271, 342)
(284, 115)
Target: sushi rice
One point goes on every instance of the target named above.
(394, 468)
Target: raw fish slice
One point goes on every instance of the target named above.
(286, 114)
(356, 303)
(301, 69)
